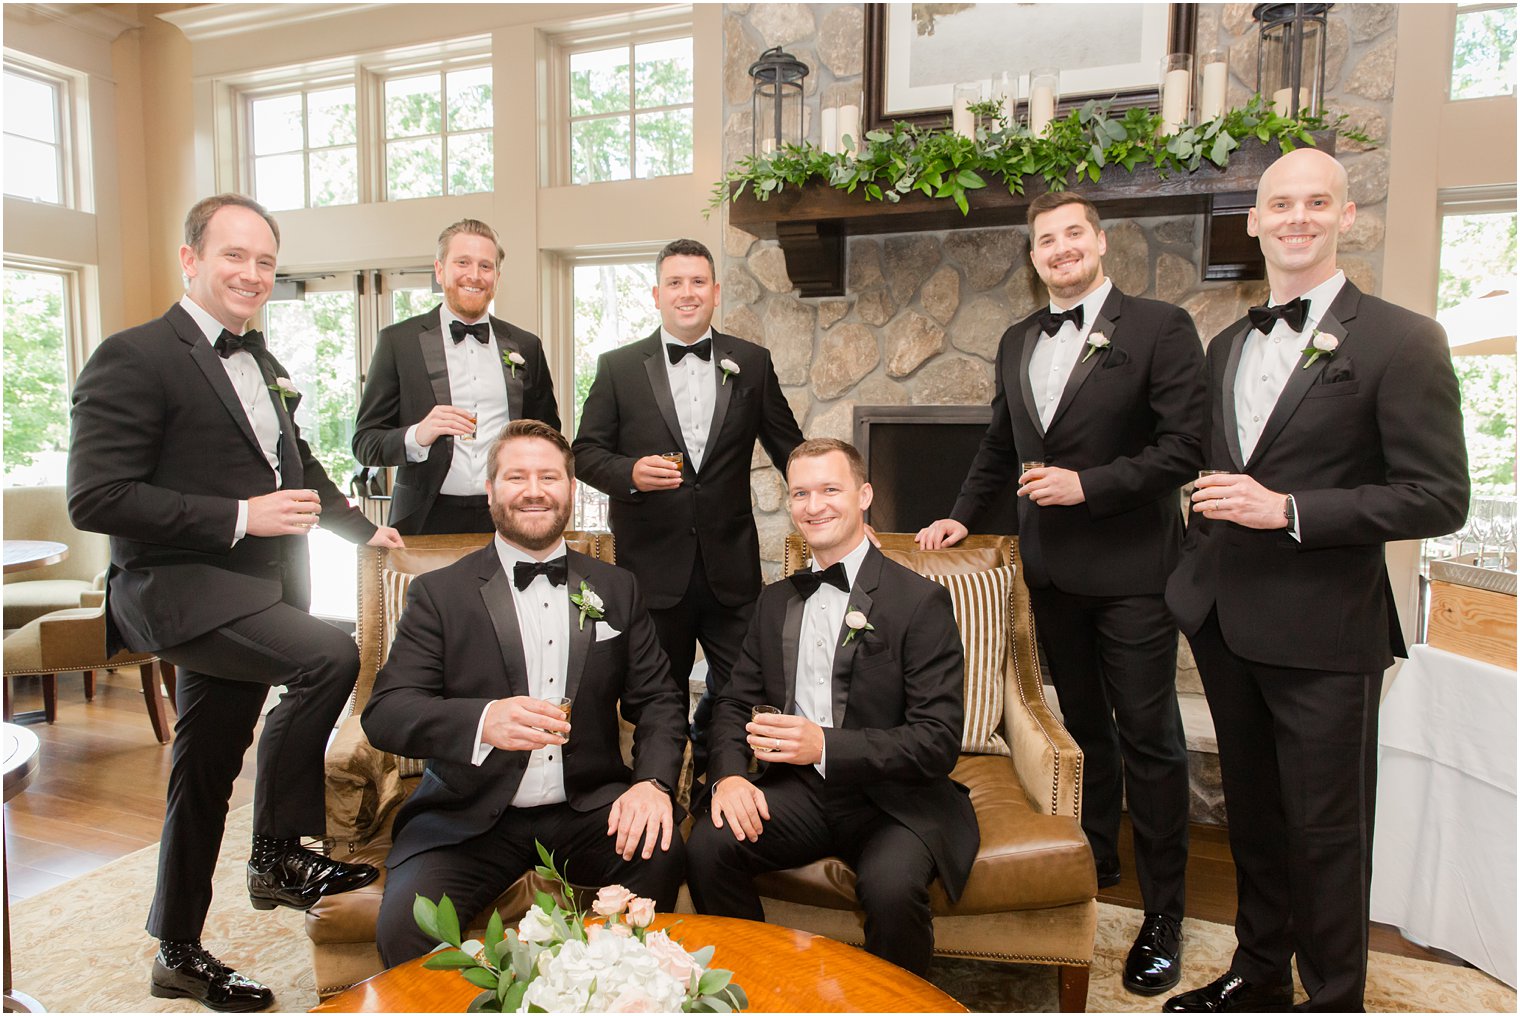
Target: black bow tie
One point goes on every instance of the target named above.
(556, 571)
(226, 344)
(480, 329)
(701, 350)
(807, 582)
(1050, 321)
(1295, 312)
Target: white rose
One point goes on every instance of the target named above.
(855, 619)
(1098, 339)
(536, 926)
(729, 365)
(1325, 343)
(595, 603)
(513, 356)
(285, 384)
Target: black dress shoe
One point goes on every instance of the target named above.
(1154, 963)
(1108, 873)
(1233, 993)
(203, 977)
(301, 877)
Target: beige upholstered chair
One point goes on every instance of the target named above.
(1032, 893)
(40, 513)
(75, 639)
(364, 784)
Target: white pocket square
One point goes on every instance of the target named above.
(605, 631)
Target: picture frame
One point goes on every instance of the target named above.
(895, 88)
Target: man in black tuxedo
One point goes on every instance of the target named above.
(483, 648)
(440, 379)
(863, 659)
(1103, 393)
(185, 452)
(687, 531)
(1337, 419)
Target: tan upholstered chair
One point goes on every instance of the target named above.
(1032, 893)
(364, 784)
(40, 513)
(75, 639)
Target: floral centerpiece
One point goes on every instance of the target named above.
(555, 961)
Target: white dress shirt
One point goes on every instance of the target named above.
(253, 392)
(476, 385)
(694, 389)
(821, 636)
(1267, 362)
(1056, 355)
(543, 619)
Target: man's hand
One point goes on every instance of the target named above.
(742, 805)
(1051, 485)
(641, 810)
(283, 513)
(782, 737)
(944, 533)
(1238, 498)
(521, 723)
(871, 535)
(655, 473)
(385, 536)
(443, 420)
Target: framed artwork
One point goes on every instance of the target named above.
(915, 54)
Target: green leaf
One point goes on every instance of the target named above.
(481, 978)
(448, 922)
(512, 1000)
(970, 180)
(425, 913)
(961, 203)
(714, 981)
(449, 959)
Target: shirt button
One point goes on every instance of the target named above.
(1264, 377)
(818, 642)
(1255, 419)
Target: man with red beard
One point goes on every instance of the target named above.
(482, 652)
(443, 377)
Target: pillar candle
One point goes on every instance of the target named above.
(1042, 109)
(849, 125)
(828, 133)
(961, 120)
(1215, 84)
(1174, 100)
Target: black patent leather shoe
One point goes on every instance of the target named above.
(1154, 963)
(1108, 873)
(203, 977)
(301, 877)
(1233, 993)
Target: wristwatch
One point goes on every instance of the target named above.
(660, 784)
(1288, 511)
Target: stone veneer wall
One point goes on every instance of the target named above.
(923, 312)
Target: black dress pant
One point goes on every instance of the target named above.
(1113, 660)
(809, 819)
(224, 680)
(451, 514)
(1298, 755)
(473, 873)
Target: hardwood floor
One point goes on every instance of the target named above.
(99, 795)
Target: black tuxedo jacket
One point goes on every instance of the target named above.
(407, 378)
(458, 647)
(629, 413)
(161, 453)
(1369, 443)
(898, 705)
(1128, 422)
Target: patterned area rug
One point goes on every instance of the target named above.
(81, 948)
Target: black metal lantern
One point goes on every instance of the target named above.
(776, 102)
(1290, 56)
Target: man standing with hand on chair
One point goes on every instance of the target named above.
(186, 453)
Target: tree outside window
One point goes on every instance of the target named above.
(438, 137)
(37, 323)
(305, 148)
(34, 150)
(631, 111)
(1483, 51)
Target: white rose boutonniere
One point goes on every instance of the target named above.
(855, 620)
(513, 359)
(1095, 342)
(589, 603)
(729, 368)
(286, 390)
(1320, 344)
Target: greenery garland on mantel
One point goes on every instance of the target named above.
(942, 164)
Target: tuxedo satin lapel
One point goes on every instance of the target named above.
(845, 652)
(580, 637)
(724, 391)
(290, 452)
(513, 378)
(659, 385)
(1299, 382)
(210, 364)
(431, 341)
(791, 636)
(497, 595)
(1089, 359)
(1026, 353)
(1224, 411)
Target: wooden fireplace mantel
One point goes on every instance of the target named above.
(811, 222)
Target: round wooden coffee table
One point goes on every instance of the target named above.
(781, 970)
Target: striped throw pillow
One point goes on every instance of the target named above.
(981, 602)
(393, 587)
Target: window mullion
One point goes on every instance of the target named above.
(633, 134)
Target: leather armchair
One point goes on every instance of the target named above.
(41, 513)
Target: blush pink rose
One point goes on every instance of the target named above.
(640, 912)
(611, 900)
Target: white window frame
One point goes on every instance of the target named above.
(302, 87)
(1457, 10)
(65, 163)
(442, 68)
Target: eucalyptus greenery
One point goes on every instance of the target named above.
(942, 164)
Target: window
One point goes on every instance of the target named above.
(39, 322)
(36, 154)
(438, 137)
(631, 111)
(613, 307)
(305, 148)
(1483, 51)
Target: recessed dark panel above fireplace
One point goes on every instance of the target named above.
(917, 457)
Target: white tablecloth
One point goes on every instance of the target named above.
(1443, 858)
